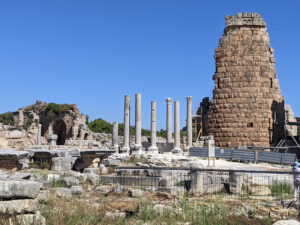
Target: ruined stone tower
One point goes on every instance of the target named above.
(247, 107)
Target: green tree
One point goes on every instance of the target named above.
(100, 126)
(7, 118)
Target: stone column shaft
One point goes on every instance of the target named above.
(115, 137)
(50, 130)
(189, 128)
(169, 120)
(38, 140)
(153, 148)
(126, 146)
(176, 147)
(138, 123)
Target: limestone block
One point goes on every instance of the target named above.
(19, 189)
(62, 192)
(62, 163)
(76, 190)
(19, 206)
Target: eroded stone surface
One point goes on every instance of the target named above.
(19, 189)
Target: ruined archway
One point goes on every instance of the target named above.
(59, 128)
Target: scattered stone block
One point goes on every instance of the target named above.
(51, 177)
(43, 196)
(71, 181)
(136, 193)
(93, 178)
(62, 192)
(76, 190)
(114, 162)
(286, 222)
(91, 170)
(32, 219)
(62, 163)
(17, 176)
(104, 189)
(19, 189)
(19, 206)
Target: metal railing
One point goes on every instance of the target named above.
(216, 183)
(246, 155)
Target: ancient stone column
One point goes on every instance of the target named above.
(189, 129)
(115, 137)
(126, 147)
(169, 120)
(176, 147)
(50, 130)
(138, 124)
(38, 138)
(153, 148)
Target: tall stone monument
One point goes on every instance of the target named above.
(246, 98)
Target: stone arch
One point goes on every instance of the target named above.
(60, 129)
(86, 136)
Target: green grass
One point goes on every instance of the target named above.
(59, 211)
(58, 183)
(280, 187)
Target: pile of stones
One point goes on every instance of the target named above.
(19, 199)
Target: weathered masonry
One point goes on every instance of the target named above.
(247, 108)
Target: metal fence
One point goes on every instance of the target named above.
(237, 184)
(247, 155)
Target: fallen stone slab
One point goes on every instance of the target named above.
(104, 189)
(16, 189)
(13, 153)
(19, 206)
(17, 176)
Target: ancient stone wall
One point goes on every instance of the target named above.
(246, 99)
(292, 130)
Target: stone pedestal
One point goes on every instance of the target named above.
(197, 186)
(126, 147)
(115, 137)
(176, 147)
(52, 139)
(153, 149)
(137, 149)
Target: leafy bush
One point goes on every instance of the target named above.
(54, 109)
(7, 118)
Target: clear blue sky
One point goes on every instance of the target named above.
(92, 53)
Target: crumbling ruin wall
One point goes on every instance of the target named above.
(247, 107)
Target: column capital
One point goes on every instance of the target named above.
(189, 98)
(169, 100)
